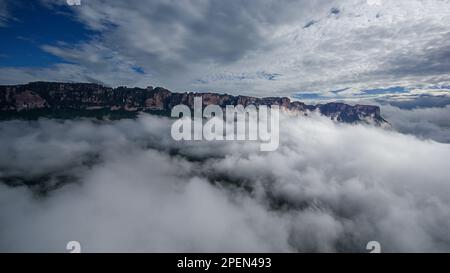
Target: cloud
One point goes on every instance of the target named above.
(232, 47)
(4, 13)
(423, 100)
(129, 187)
(428, 123)
(419, 112)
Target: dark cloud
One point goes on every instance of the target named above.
(430, 59)
(419, 101)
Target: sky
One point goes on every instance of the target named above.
(301, 49)
(126, 185)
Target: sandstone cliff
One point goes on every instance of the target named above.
(66, 100)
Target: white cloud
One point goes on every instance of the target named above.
(263, 48)
(329, 187)
(427, 123)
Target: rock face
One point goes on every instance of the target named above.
(65, 100)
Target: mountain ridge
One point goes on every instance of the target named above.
(66, 100)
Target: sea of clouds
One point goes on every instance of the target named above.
(127, 186)
(424, 122)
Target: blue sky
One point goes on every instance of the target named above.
(367, 48)
(34, 25)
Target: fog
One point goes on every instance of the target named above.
(127, 186)
(426, 123)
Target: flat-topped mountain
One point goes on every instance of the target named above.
(67, 100)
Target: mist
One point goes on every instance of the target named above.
(426, 123)
(127, 186)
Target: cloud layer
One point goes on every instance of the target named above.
(126, 186)
(253, 47)
(426, 123)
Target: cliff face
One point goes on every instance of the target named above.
(52, 99)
